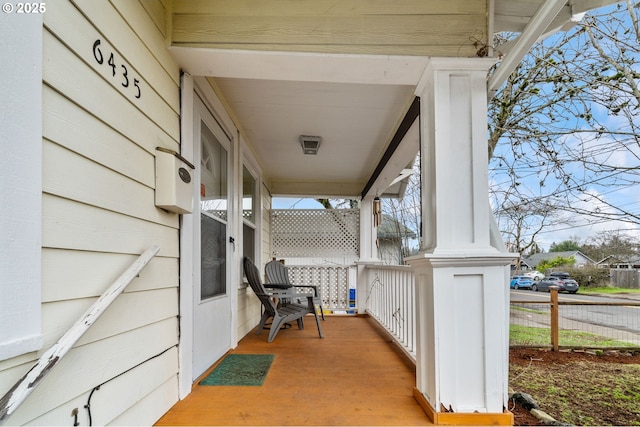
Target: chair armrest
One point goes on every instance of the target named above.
(287, 293)
(314, 287)
(278, 285)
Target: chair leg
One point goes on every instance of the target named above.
(318, 323)
(275, 327)
(321, 310)
(263, 320)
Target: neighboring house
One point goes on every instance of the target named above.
(392, 236)
(129, 124)
(582, 260)
(619, 262)
(524, 265)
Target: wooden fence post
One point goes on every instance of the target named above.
(554, 317)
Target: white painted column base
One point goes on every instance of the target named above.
(463, 335)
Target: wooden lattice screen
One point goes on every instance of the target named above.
(315, 232)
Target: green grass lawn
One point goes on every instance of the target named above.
(608, 290)
(526, 335)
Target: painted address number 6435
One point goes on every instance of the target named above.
(97, 54)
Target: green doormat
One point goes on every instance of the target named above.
(240, 369)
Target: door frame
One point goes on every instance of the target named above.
(189, 86)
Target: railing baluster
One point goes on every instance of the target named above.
(391, 302)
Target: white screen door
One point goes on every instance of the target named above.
(212, 307)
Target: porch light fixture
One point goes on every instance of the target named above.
(310, 144)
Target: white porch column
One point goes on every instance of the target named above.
(368, 251)
(461, 279)
(368, 247)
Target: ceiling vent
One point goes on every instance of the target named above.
(310, 144)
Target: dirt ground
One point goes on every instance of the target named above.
(567, 375)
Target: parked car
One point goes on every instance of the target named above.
(521, 282)
(564, 284)
(535, 275)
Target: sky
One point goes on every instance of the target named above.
(576, 226)
(295, 203)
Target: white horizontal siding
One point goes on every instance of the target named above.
(76, 80)
(87, 366)
(99, 214)
(157, 11)
(249, 308)
(69, 274)
(248, 311)
(71, 225)
(106, 189)
(119, 393)
(143, 414)
(67, 124)
(145, 28)
(141, 308)
(81, 23)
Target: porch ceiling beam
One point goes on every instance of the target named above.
(536, 27)
(408, 120)
(315, 189)
(305, 67)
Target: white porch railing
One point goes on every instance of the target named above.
(388, 292)
(390, 300)
(334, 283)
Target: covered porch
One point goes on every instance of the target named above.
(354, 376)
(369, 115)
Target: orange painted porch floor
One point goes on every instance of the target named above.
(353, 376)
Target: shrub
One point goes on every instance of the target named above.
(556, 262)
(590, 277)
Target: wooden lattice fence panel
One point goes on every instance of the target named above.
(315, 232)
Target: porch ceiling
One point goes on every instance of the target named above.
(355, 102)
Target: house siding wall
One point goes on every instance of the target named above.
(99, 214)
(413, 27)
(249, 308)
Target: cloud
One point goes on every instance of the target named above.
(583, 226)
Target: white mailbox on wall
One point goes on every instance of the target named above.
(174, 181)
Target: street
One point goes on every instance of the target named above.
(612, 321)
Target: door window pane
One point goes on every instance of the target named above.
(213, 175)
(248, 196)
(213, 257)
(248, 241)
(248, 213)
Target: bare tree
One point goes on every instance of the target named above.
(563, 130)
(611, 243)
(406, 215)
(524, 222)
